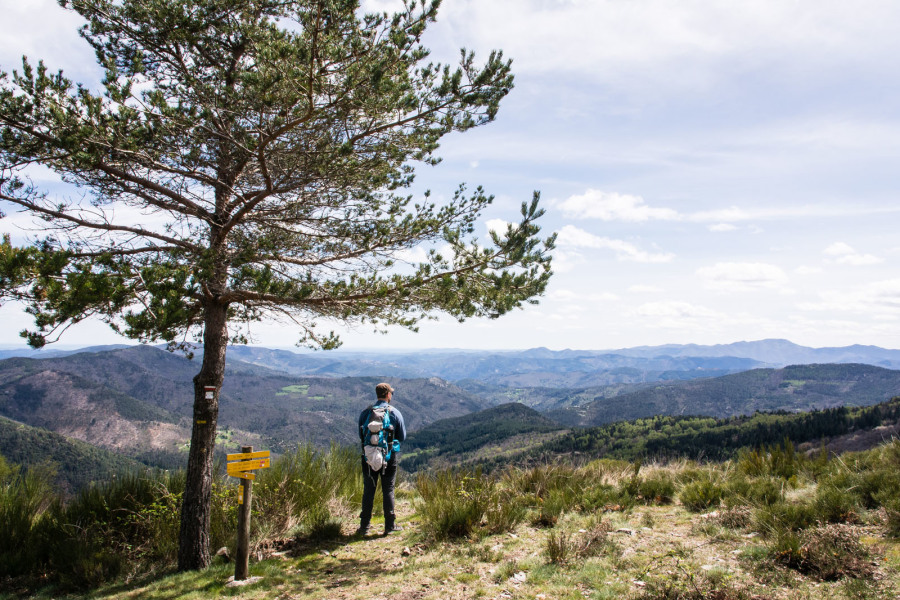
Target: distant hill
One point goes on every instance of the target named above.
(652, 438)
(540, 367)
(794, 389)
(77, 463)
(496, 431)
(510, 369)
(837, 429)
(775, 353)
(139, 399)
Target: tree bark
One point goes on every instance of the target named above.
(193, 538)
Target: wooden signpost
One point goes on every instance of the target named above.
(246, 461)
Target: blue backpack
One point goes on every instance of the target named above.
(378, 437)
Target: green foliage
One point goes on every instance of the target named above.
(740, 490)
(777, 519)
(561, 547)
(76, 463)
(835, 504)
(828, 553)
(773, 435)
(24, 498)
(304, 490)
(453, 503)
(450, 439)
(780, 461)
(703, 493)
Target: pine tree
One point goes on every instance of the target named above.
(248, 160)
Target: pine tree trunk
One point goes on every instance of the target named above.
(193, 538)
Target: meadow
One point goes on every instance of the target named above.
(770, 523)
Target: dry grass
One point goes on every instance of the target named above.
(646, 553)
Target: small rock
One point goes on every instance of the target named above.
(241, 582)
(223, 552)
(639, 583)
(406, 551)
(326, 553)
(519, 577)
(625, 530)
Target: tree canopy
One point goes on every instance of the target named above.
(248, 160)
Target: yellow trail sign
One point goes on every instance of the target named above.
(247, 465)
(248, 455)
(240, 475)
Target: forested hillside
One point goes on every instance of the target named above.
(794, 388)
(497, 431)
(507, 435)
(76, 464)
(137, 400)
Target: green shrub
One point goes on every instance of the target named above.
(780, 517)
(827, 552)
(741, 490)
(452, 503)
(833, 504)
(504, 511)
(302, 489)
(125, 525)
(559, 547)
(658, 488)
(891, 504)
(702, 494)
(24, 498)
(780, 461)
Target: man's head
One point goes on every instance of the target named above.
(384, 391)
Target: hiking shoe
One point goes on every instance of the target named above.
(362, 532)
(391, 529)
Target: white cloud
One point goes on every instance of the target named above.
(879, 297)
(838, 249)
(807, 270)
(611, 206)
(571, 236)
(497, 226)
(739, 277)
(846, 255)
(676, 315)
(644, 289)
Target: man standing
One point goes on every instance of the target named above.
(388, 472)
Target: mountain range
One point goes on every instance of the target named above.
(137, 400)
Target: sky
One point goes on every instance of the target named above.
(716, 171)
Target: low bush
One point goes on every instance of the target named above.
(827, 552)
(741, 490)
(781, 461)
(304, 492)
(703, 493)
(782, 517)
(454, 503)
(561, 547)
(24, 498)
(658, 488)
(833, 504)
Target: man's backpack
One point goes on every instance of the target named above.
(378, 437)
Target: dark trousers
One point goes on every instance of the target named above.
(388, 477)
